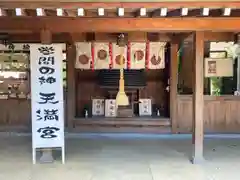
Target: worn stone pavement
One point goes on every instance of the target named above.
(122, 158)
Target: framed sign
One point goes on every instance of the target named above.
(218, 54)
(218, 67)
(47, 97)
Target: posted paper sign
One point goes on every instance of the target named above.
(47, 95)
(218, 67)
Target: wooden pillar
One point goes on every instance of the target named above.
(198, 99)
(173, 85)
(71, 77)
(71, 88)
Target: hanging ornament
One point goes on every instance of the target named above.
(129, 55)
(92, 52)
(110, 56)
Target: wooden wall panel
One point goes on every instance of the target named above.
(184, 114)
(221, 114)
(15, 113)
(88, 88)
(155, 91)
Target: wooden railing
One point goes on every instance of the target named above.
(221, 114)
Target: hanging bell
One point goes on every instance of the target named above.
(121, 40)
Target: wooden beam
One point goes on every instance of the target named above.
(93, 5)
(64, 37)
(198, 99)
(137, 36)
(219, 36)
(179, 37)
(46, 36)
(156, 37)
(79, 37)
(36, 38)
(74, 25)
(214, 36)
(173, 85)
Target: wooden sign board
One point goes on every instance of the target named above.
(218, 67)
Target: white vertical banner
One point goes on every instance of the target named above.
(138, 53)
(157, 55)
(47, 96)
(117, 52)
(102, 59)
(83, 55)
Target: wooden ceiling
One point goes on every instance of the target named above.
(171, 4)
(122, 12)
(76, 25)
(75, 17)
(112, 9)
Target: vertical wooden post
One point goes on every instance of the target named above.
(71, 92)
(198, 99)
(71, 77)
(173, 85)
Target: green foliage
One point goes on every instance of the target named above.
(216, 84)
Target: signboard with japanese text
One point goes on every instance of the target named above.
(47, 95)
(218, 67)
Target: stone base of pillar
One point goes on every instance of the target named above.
(47, 156)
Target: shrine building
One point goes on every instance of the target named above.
(179, 61)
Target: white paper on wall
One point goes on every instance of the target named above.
(117, 51)
(101, 53)
(138, 55)
(98, 107)
(83, 55)
(218, 67)
(110, 108)
(145, 107)
(157, 55)
(47, 95)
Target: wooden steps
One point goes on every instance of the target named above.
(131, 125)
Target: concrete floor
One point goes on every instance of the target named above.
(108, 158)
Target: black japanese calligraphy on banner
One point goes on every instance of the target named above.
(46, 50)
(46, 70)
(49, 80)
(46, 60)
(48, 132)
(47, 114)
(48, 98)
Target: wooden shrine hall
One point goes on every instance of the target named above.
(161, 38)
